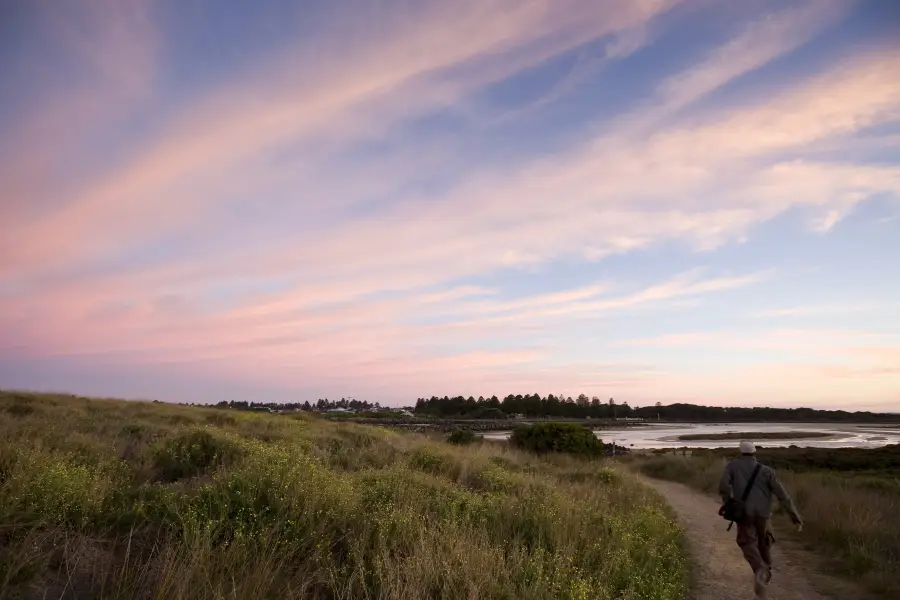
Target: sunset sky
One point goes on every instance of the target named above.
(655, 200)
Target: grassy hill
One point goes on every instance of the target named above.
(113, 499)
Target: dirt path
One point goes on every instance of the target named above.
(721, 573)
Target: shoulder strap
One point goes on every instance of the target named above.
(750, 483)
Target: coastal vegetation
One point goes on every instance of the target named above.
(535, 406)
(849, 499)
(582, 406)
(463, 437)
(557, 437)
(114, 499)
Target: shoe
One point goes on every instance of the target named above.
(760, 580)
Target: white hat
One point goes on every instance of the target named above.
(747, 447)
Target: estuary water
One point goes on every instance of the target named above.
(665, 435)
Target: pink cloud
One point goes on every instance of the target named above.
(358, 334)
(618, 212)
(380, 66)
(820, 341)
(118, 41)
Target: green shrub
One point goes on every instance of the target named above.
(57, 488)
(429, 461)
(221, 420)
(19, 409)
(463, 437)
(132, 430)
(192, 453)
(557, 437)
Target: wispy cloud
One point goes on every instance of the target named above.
(405, 61)
(115, 47)
(818, 310)
(818, 341)
(759, 43)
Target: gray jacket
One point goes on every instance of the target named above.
(759, 502)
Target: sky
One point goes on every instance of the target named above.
(270, 200)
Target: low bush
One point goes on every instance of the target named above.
(557, 437)
(463, 437)
(133, 430)
(429, 461)
(19, 409)
(221, 420)
(192, 453)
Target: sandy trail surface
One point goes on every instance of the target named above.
(720, 570)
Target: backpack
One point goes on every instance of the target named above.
(736, 510)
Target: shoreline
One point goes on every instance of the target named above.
(751, 435)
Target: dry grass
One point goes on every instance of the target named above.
(852, 521)
(110, 499)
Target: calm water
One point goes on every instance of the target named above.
(666, 436)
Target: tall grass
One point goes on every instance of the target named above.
(852, 520)
(110, 499)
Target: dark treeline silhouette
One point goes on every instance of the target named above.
(693, 412)
(320, 404)
(534, 405)
(552, 406)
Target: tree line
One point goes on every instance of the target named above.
(321, 404)
(536, 406)
(581, 407)
(532, 405)
(693, 412)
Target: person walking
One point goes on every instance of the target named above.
(754, 484)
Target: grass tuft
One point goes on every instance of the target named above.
(193, 453)
(463, 437)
